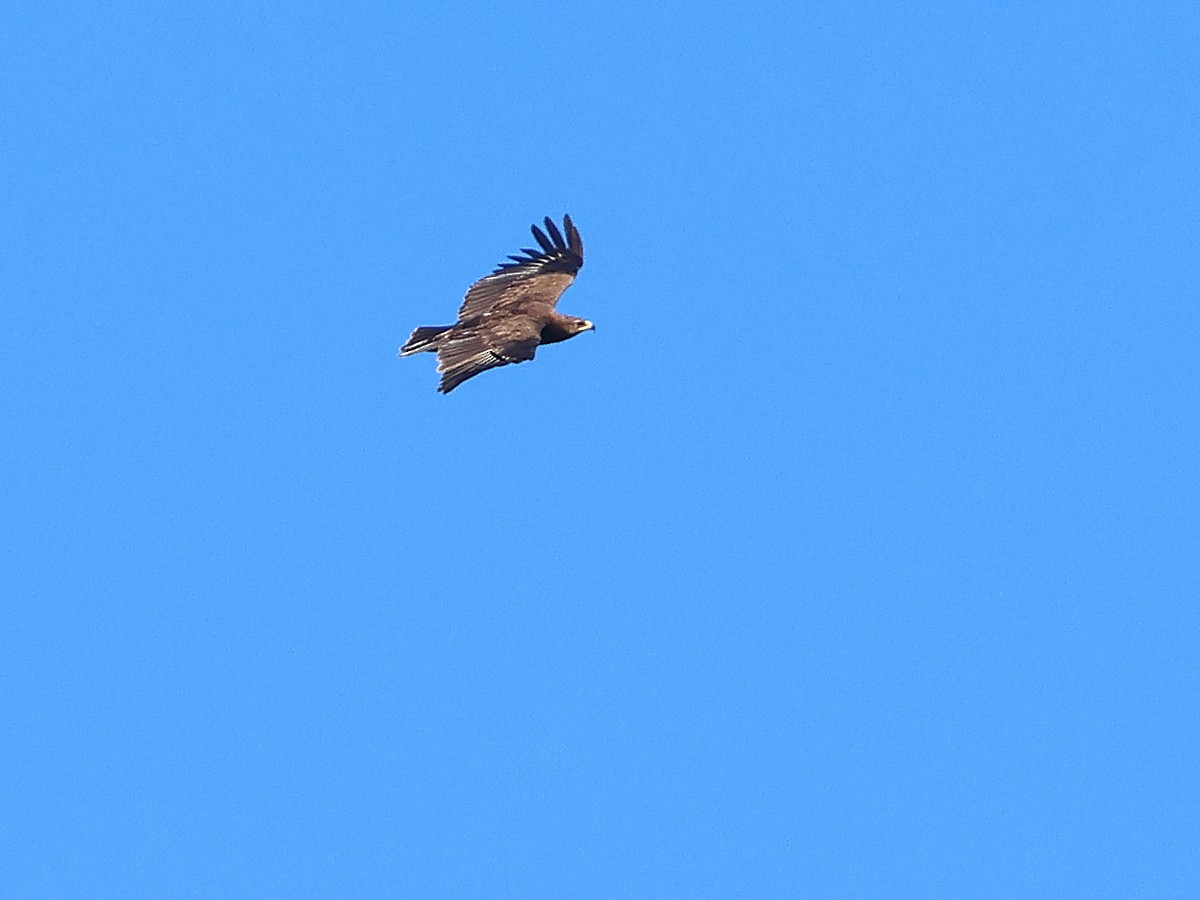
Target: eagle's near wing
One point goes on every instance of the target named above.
(540, 276)
(494, 341)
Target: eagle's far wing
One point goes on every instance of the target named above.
(497, 340)
(538, 276)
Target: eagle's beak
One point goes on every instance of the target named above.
(591, 326)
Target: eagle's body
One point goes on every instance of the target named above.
(507, 314)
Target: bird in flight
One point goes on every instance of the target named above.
(506, 315)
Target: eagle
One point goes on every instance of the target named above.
(506, 315)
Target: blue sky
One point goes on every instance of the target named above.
(853, 555)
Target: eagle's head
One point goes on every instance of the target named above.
(579, 326)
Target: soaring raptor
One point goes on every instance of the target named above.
(507, 314)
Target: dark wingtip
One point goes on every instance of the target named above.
(541, 238)
(573, 239)
(555, 234)
(557, 254)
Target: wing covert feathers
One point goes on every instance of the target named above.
(557, 256)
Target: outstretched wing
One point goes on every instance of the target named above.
(539, 275)
(468, 350)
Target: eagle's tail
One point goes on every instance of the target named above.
(424, 338)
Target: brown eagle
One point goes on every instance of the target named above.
(507, 314)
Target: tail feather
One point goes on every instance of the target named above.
(424, 338)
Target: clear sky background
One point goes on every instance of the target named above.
(854, 555)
